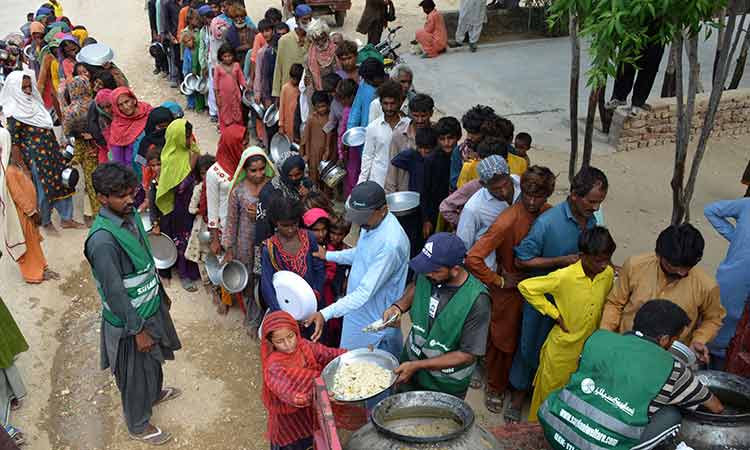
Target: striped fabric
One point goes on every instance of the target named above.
(682, 389)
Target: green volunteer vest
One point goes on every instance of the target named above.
(605, 404)
(142, 285)
(444, 336)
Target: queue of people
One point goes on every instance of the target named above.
(490, 274)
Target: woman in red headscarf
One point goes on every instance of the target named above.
(290, 366)
(129, 116)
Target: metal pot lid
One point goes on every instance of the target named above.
(95, 54)
(279, 145)
(294, 295)
(354, 137)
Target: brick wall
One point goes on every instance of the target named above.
(658, 126)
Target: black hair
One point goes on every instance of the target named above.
(113, 179)
(524, 137)
(224, 49)
(681, 245)
(330, 81)
(371, 70)
(491, 145)
(448, 126)
(75, 68)
(153, 153)
(346, 48)
(273, 15)
(264, 24)
(506, 128)
(296, 71)
(347, 88)
(421, 103)
(319, 97)
(281, 209)
(255, 158)
(538, 181)
(596, 241)
(108, 81)
(279, 27)
(657, 318)
(89, 40)
(204, 162)
(586, 179)
(426, 137)
(188, 129)
(390, 89)
(79, 27)
(472, 120)
(317, 199)
(339, 225)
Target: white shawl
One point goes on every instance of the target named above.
(14, 242)
(28, 109)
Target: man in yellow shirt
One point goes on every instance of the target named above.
(580, 291)
(669, 273)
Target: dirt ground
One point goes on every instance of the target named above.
(74, 405)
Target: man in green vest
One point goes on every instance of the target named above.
(450, 314)
(628, 390)
(137, 333)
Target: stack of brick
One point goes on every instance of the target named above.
(659, 126)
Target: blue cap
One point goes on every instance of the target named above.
(440, 250)
(302, 10)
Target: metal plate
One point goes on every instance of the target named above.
(402, 203)
(163, 250)
(354, 137)
(95, 54)
(213, 269)
(376, 356)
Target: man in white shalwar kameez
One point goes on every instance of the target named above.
(472, 15)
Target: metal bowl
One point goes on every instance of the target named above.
(204, 237)
(95, 54)
(684, 354)
(279, 145)
(70, 177)
(191, 81)
(29, 52)
(376, 356)
(213, 269)
(185, 89)
(354, 137)
(402, 203)
(391, 415)
(202, 87)
(248, 99)
(234, 276)
(163, 250)
(330, 173)
(271, 117)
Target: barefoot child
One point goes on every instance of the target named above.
(197, 251)
(579, 291)
(290, 366)
(316, 146)
(228, 79)
(522, 145)
(288, 101)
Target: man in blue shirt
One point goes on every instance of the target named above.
(732, 272)
(552, 243)
(378, 275)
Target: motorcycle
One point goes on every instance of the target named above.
(388, 46)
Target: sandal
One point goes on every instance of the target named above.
(167, 394)
(512, 415)
(189, 285)
(476, 379)
(16, 434)
(15, 404)
(494, 402)
(158, 438)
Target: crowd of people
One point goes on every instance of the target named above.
(495, 280)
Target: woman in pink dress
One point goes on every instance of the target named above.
(228, 84)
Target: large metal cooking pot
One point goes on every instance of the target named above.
(730, 430)
(70, 177)
(422, 420)
(330, 173)
(402, 203)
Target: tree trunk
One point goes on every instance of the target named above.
(575, 70)
(605, 115)
(681, 140)
(719, 40)
(722, 70)
(739, 68)
(594, 96)
(668, 87)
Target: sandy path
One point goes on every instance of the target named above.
(74, 405)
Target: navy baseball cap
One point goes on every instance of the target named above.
(365, 198)
(440, 250)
